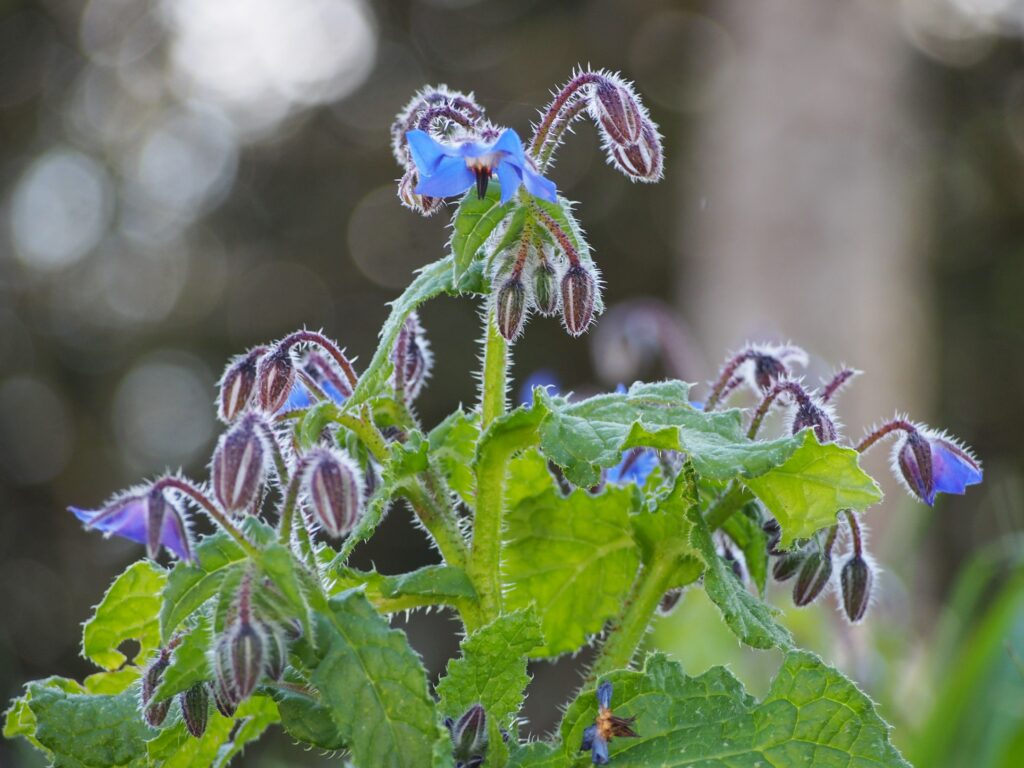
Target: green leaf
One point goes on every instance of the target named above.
(585, 436)
(375, 686)
(88, 731)
(538, 754)
(128, 611)
(188, 663)
(453, 446)
(808, 490)
(746, 532)
(112, 682)
(433, 280)
(308, 720)
(811, 716)
(473, 222)
(572, 557)
(751, 619)
(189, 585)
(429, 585)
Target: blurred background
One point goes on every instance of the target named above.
(180, 180)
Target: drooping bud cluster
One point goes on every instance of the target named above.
(237, 384)
(241, 463)
(443, 113)
(411, 358)
(155, 712)
(469, 737)
(760, 365)
(334, 486)
(249, 650)
(275, 378)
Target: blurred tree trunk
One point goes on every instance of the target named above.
(806, 175)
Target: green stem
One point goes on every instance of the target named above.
(437, 518)
(495, 378)
(627, 630)
(365, 431)
(730, 502)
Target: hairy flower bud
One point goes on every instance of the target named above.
(915, 463)
(545, 289)
(277, 653)
(510, 306)
(195, 709)
(616, 110)
(813, 577)
(237, 384)
(422, 204)
(768, 369)
(469, 737)
(334, 485)
(223, 698)
(411, 358)
(275, 377)
(773, 535)
(855, 580)
(247, 654)
(810, 415)
(155, 712)
(578, 295)
(240, 463)
(642, 160)
(786, 566)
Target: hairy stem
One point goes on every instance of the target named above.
(889, 426)
(495, 376)
(730, 502)
(193, 492)
(436, 516)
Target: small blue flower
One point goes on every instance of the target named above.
(145, 517)
(448, 170)
(931, 463)
(636, 466)
(606, 726)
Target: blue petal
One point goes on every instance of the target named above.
(510, 143)
(174, 536)
(332, 392)
(599, 754)
(297, 398)
(952, 471)
(510, 177)
(636, 466)
(538, 186)
(127, 521)
(426, 152)
(588, 738)
(474, 149)
(452, 177)
(604, 695)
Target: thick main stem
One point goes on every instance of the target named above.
(730, 502)
(495, 377)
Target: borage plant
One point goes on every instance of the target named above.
(560, 523)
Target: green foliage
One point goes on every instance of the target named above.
(189, 586)
(189, 661)
(429, 585)
(453, 445)
(223, 739)
(571, 557)
(811, 715)
(127, 612)
(475, 220)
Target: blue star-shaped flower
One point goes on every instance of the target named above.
(447, 170)
(146, 518)
(606, 726)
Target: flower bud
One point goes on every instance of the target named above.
(915, 463)
(195, 709)
(155, 712)
(237, 383)
(469, 736)
(223, 698)
(157, 508)
(642, 160)
(545, 289)
(510, 306)
(578, 294)
(810, 415)
(773, 533)
(786, 566)
(411, 358)
(423, 205)
(246, 654)
(240, 463)
(813, 577)
(277, 653)
(768, 369)
(617, 112)
(855, 581)
(275, 377)
(334, 485)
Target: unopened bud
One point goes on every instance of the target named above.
(812, 579)
(225, 693)
(510, 306)
(915, 462)
(246, 651)
(768, 369)
(411, 358)
(578, 294)
(545, 289)
(237, 383)
(277, 653)
(855, 579)
(641, 160)
(669, 601)
(222, 698)
(469, 736)
(240, 463)
(786, 566)
(275, 377)
(426, 206)
(810, 415)
(334, 485)
(616, 110)
(773, 533)
(195, 709)
(155, 712)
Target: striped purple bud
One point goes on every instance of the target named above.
(247, 654)
(855, 580)
(813, 577)
(915, 463)
(277, 653)
(237, 384)
(810, 415)
(786, 566)
(411, 358)
(767, 370)
(334, 486)
(225, 693)
(222, 698)
(510, 307)
(275, 377)
(155, 712)
(545, 289)
(240, 463)
(616, 110)
(469, 737)
(195, 709)
(578, 294)
(642, 160)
